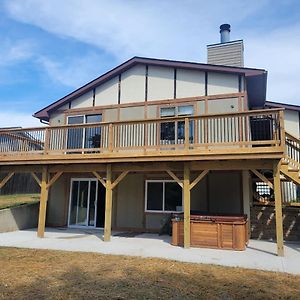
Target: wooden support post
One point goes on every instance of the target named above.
(187, 205)
(108, 204)
(278, 209)
(43, 203)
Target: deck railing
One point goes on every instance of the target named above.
(260, 128)
(292, 147)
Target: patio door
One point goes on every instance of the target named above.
(86, 205)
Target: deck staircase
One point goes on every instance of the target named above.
(290, 164)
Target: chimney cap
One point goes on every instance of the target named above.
(225, 27)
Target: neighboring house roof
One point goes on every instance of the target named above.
(256, 80)
(282, 105)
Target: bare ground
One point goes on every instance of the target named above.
(44, 274)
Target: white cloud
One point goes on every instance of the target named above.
(72, 72)
(172, 29)
(164, 29)
(15, 51)
(11, 118)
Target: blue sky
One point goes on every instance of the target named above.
(49, 48)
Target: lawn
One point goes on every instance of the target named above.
(44, 274)
(18, 199)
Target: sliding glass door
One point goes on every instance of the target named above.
(84, 137)
(84, 208)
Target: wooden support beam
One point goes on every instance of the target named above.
(53, 179)
(6, 179)
(43, 203)
(278, 208)
(186, 206)
(36, 179)
(263, 178)
(108, 204)
(175, 177)
(199, 178)
(99, 178)
(119, 179)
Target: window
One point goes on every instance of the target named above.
(163, 196)
(89, 137)
(173, 132)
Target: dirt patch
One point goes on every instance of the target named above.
(44, 274)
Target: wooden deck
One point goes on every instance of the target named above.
(244, 135)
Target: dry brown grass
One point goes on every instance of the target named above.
(43, 274)
(7, 201)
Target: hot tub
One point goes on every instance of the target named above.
(213, 231)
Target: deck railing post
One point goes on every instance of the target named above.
(282, 130)
(110, 137)
(186, 133)
(47, 140)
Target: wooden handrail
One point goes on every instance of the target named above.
(240, 129)
(159, 120)
(292, 137)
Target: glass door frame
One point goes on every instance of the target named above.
(84, 116)
(88, 203)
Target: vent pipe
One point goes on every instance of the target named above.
(225, 33)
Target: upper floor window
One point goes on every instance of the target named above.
(173, 132)
(84, 137)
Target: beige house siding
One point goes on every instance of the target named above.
(86, 100)
(129, 202)
(57, 118)
(292, 122)
(218, 192)
(227, 54)
(219, 83)
(160, 83)
(107, 93)
(58, 202)
(189, 83)
(133, 85)
(223, 106)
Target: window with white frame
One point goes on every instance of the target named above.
(163, 196)
(173, 132)
(89, 137)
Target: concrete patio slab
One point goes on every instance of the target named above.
(258, 255)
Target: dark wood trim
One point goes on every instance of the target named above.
(94, 96)
(175, 82)
(206, 83)
(146, 83)
(119, 89)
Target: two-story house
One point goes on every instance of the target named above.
(154, 137)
